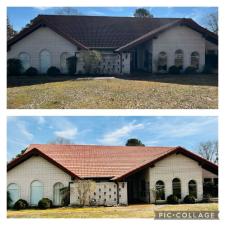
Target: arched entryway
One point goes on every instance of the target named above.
(57, 198)
(37, 191)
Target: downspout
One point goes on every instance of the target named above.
(118, 196)
(121, 63)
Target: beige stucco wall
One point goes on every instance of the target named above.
(179, 37)
(103, 193)
(36, 168)
(176, 166)
(42, 38)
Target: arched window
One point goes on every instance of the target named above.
(195, 59)
(162, 61)
(37, 190)
(177, 187)
(192, 187)
(63, 63)
(160, 190)
(14, 192)
(57, 198)
(179, 58)
(25, 60)
(45, 60)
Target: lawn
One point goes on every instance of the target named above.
(141, 92)
(131, 211)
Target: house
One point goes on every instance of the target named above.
(122, 174)
(127, 44)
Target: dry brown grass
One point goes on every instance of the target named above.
(162, 92)
(131, 211)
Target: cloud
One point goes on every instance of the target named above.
(116, 136)
(21, 126)
(41, 120)
(96, 13)
(67, 133)
(42, 8)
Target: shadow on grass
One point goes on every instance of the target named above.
(184, 79)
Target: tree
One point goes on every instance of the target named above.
(67, 11)
(213, 22)
(10, 31)
(209, 150)
(91, 59)
(60, 140)
(134, 142)
(84, 190)
(143, 13)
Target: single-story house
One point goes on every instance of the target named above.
(122, 174)
(127, 44)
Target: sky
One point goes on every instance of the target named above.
(20, 16)
(151, 130)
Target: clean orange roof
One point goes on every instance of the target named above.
(91, 161)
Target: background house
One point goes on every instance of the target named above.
(122, 175)
(127, 44)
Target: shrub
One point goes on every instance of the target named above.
(189, 199)
(172, 199)
(14, 67)
(53, 71)
(44, 203)
(71, 63)
(9, 200)
(31, 71)
(174, 70)
(190, 70)
(21, 204)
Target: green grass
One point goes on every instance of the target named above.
(141, 92)
(131, 211)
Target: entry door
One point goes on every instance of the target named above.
(37, 191)
(45, 61)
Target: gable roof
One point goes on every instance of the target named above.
(111, 162)
(93, 32)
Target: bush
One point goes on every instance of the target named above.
(9, 200)
(21, 204)
(71, 63)
(190, 70)
(172, 199)
(14, 67)
(53, 71)
(174, 70)
(189, 199)
(31, 71)
(44, 203)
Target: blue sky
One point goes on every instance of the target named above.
(152, 131)
(20, 16)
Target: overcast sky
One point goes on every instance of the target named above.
(152, 131)
(20, 16)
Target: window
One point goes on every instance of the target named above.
(162, 61)
(57, 199)
(192, 187)
(37, 190)
(14, 192)
(195, 59)
(177, 187)
(160, 190)
(63, 62)
(45, 60)
(25, 60)
(179, 58)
